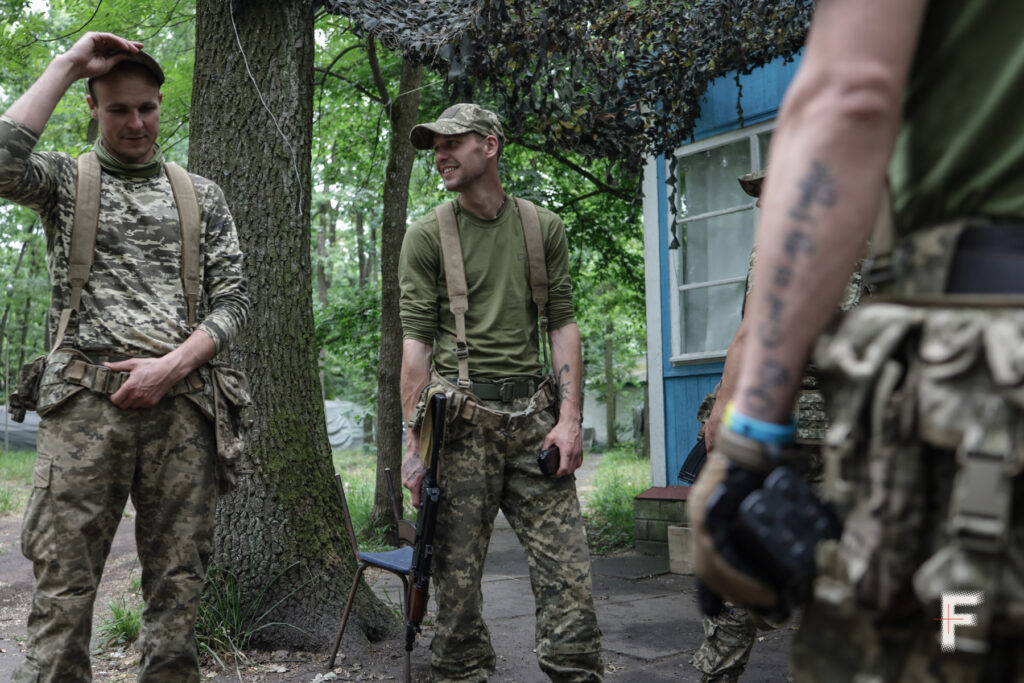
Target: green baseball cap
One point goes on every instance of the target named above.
(142, 58)
(456, 120)
(751, 182)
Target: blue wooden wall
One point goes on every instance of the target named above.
(686, 385)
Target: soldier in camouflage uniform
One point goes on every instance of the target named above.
(729, 635)
(923, 457)
(135, 423)
(504, 418)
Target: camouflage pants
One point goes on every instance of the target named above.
(482, 470)
(728, 640)
(925, 400)
(91, 457)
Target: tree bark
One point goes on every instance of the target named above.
(281, 530)
(403, 111)
(609, 383)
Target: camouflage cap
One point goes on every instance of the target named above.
(751, 182)
(456, 120)
(142, 58)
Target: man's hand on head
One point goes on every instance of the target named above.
(94, 54)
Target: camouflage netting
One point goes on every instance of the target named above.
(603, 78)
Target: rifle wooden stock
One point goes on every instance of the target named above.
(426, 519)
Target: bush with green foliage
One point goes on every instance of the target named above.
(608, 508)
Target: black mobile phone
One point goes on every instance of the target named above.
(548, 461)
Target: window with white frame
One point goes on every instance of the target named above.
(716, 232)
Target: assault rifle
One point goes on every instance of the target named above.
(426, 519)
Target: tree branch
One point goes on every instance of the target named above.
(372, 95)
(335, 61)
(378, 78)
(572, 201)
(623, 194)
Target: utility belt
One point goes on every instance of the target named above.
(466, 405)
(930, 388)
(103, 380)
(965, 262)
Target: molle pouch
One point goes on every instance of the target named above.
(232, 421)
(26, 393)
(873, 461)
(54, 389)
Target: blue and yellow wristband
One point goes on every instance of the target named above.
(758, 430)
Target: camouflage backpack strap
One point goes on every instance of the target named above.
(187, 201)
(455, 280)
(537, 261)
(83, 237)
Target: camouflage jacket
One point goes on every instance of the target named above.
(133, 304)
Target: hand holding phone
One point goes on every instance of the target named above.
(549, 461)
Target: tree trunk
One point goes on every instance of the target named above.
(322, 282)
(282, 529)
(404, 109)
(361, 249)
(609, 383)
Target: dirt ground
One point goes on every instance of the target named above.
(357, 662)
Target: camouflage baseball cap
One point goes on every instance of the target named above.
(456, 120)
(751, 182)
(142, 58)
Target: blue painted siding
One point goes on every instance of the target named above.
(763, 89)
(685, 386)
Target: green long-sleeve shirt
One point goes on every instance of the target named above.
(501, 324)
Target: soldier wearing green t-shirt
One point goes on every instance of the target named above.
(489, 460)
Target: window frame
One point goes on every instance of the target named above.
(676, 288)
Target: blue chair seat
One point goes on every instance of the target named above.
(399, 560)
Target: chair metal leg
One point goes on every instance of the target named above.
(344, 618)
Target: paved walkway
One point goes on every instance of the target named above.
(649, 618)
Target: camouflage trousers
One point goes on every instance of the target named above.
(91, 457)
(728, 640)
(481, 470)
(923, 459)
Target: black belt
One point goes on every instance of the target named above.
(989, 259)
(504, 391)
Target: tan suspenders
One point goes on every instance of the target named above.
(86, 223)
(455, 276)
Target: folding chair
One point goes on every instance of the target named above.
(398, 562)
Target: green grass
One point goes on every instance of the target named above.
(15, 480)
(608, 508)
(358, 469)
(228, 622)
(123, 624)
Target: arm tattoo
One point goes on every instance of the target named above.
(563, 382)
(817, 189)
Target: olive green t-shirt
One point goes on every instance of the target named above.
(501, 323)
(960, 152)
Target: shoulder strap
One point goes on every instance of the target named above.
(537, 261)
(455, 280)
(83, 236)
(187, 201)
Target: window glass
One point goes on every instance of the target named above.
(710, 317)
(762, 141)
(714, 248)
(708, 179)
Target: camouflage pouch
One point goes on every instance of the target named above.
(26, 392)
(41, 384)
(232, 421)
